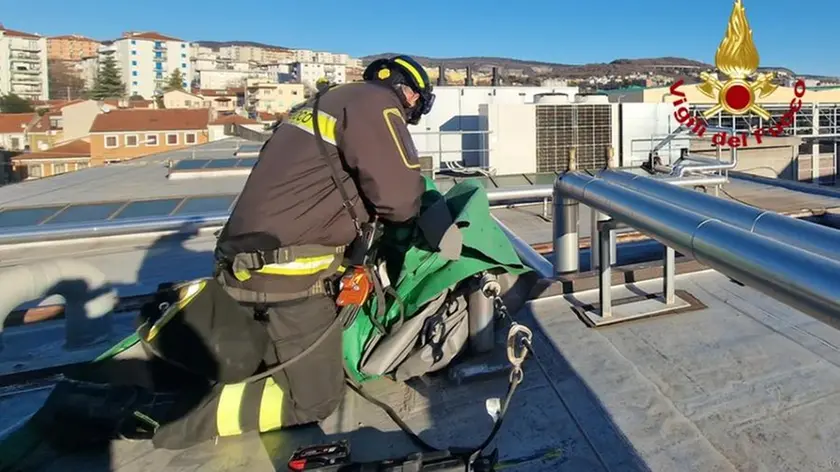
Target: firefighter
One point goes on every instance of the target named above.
(283, 244)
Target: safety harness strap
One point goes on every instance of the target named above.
(322, 148)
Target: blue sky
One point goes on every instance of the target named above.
(564, 31)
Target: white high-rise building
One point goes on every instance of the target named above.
(147, 59)
(23, 65)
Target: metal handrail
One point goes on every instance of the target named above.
(799, 278)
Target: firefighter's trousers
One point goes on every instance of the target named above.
(305, 392)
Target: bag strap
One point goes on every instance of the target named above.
(346, 203)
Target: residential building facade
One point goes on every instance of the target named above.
(121, 135)
(273, 97)
(147, 60)
(181, 99)
(13, 130)
(23, 64)
(46, 131)
(68, 157)
(308, 73)
(71, 47)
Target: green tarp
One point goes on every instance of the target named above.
(425, 275)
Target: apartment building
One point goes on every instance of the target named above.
(147, 59)
(308, 73)
(72, 47)
(273, 97)
(127, 134)
(260, 55)
(23, 64)
(67, 157)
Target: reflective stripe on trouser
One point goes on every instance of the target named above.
(302, 119)
(235, 413)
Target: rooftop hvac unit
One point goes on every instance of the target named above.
(585, 127)
(551, 99)
(592, 99)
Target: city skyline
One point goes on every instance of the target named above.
(622, 30)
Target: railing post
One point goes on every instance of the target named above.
(668, 276)
(597, 217)
(605, 269)
(565, 225)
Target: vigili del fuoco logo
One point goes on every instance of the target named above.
(737, 58)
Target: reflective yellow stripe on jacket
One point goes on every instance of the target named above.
(302, 119)
(300, 266)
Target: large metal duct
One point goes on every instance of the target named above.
(89, 299)
(794, 276)
(821, 240)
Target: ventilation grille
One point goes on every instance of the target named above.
(563, 127)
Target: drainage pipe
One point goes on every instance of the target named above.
(799, 278)
(89, 299)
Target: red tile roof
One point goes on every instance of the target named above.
(15, 122)
(19, 34)
(141, 119)
(234, 120)
(150, 35)
(73, 149)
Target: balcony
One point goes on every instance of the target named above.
(32, 47)
(159, 47)
(16, 79)
(25, 58)
(32, 71)
(161, 58)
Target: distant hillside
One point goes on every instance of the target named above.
(618, 66)
(220, 44)
(664, 65)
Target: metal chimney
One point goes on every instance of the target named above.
(468, 80)
(495, 79)
(441, 75)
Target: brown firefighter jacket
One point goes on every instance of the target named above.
(290, 194)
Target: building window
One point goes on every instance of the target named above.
(59, 169)
(184, 55)
(183, 66)
(133, 42)
(189, 138)
(183, 46)
(34, 170)
(111, 142)
(133, 53)
(134, 73)
(134, 63)
(151, 140)
(159, 75)
(131, 140)
(15, 143)
(81, 165)
(171, 139)
(134, 84)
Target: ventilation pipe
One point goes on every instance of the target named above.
(821, 240)
(441, 75)
(794, 276)
(494, 81)
(468, 80)
(89, 300)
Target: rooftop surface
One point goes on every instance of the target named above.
(742, 383)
